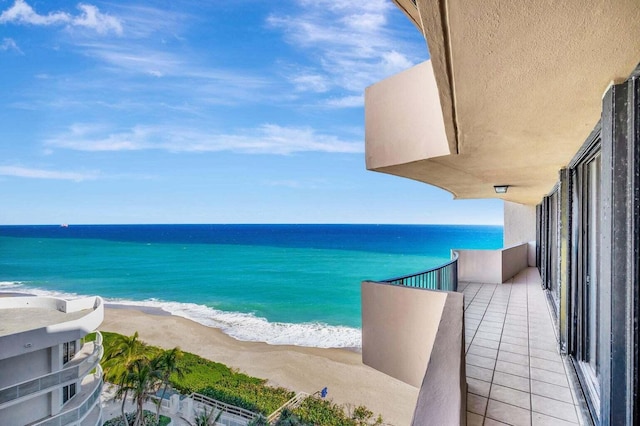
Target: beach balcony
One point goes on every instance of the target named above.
(486, 353)
(45, 380)
(86, 360)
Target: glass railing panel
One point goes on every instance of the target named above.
(8, 395)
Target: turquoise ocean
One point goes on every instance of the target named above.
(280, 284)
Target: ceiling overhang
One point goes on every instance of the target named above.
(520, 87)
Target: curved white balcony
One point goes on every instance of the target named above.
(83, 362)
(80, 409)
(33, 323)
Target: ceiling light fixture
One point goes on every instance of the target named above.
(501, 189)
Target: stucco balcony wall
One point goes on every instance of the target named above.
(416, 335)
(493, 266)
(403, 119)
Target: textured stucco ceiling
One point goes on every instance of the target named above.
(520, 87)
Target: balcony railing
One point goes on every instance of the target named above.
(75, 369)
(221, 406)
(81, 405)
(443, 277)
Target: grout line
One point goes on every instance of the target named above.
(486, 409)
(528, 288)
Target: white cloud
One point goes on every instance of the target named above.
(346, 102)
(92, 18)
(9, 44)
(311, 82)
(266, 139)
(25, 172)
(350, 43)
(89, 17)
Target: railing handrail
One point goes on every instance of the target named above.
(428, 271)
(81, 411)
(228, 408)
(443, 277)
(83, 367)
(290, 403)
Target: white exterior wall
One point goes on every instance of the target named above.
(21, 368)
(38, 360)
(26, 412)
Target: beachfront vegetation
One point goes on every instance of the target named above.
(142, 370)
(149, 420)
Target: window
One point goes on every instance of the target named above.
(586, 205)
(68, 351)
(68, 392)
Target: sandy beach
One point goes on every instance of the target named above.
(297, 368)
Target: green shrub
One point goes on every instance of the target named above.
(324, 412)
(258, 398)
(217, 381)
(220, 382)
(149, 420)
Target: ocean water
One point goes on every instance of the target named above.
(280, 284)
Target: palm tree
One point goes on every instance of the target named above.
(260, 420)
(168, 364)
(205, 418)
(141, 379)
(117, 358)
(122, 352)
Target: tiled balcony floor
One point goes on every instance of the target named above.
(515, 375)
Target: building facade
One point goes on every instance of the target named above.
(542, 102)
(47, 375)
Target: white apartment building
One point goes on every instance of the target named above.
(47, 376)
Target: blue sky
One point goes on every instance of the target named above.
(240, 111)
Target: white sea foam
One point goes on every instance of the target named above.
(241, 326)
(9, 285)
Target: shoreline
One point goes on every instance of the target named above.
(298, 368)
(158, 311)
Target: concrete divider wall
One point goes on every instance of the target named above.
(442, 399)
(484, 266)
(494, 266)
(399, 326)
(514, 260)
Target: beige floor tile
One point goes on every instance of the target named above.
(488, 336)
(489, 329)
(514, 358)
(546, 344)
(551, 391)
(517, 349)
(493, 344)
(549, 377)
(538, 419)
(549, 355)
(474, 419)
(509, 414)
(476, 404)
(478, 387)
(511, 368)
(483, 351)
(491, 422)
(545, 364)
(479, 373)
(511, 396)
(511, 381)
(481, 361)
(554, 408)
(521, 341)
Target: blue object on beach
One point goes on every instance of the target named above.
(324, 392)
